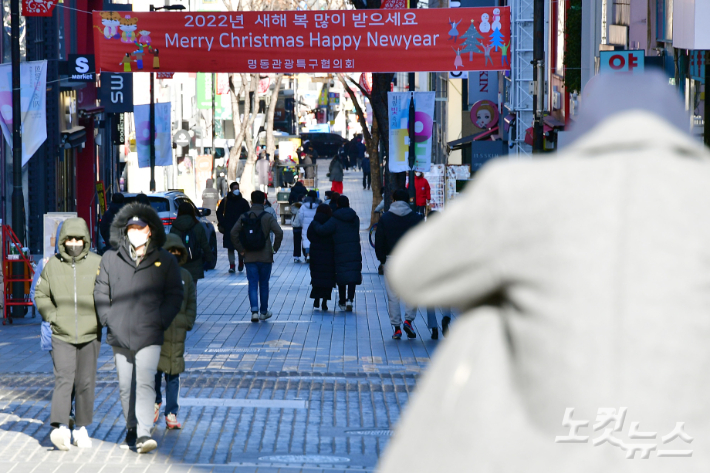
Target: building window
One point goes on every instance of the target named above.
(664, 20)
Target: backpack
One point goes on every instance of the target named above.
(189, 239)
(251, 235)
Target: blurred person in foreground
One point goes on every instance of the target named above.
(583, 278)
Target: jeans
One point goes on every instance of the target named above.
(172, 391)
(395, 310)
(136, 384)
(366, 180)
(74, 369)
(351, 292)
(258, 275)
(297, 232)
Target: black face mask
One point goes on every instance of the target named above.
(74, 250)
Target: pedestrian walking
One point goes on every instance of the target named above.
(117, 201)
(584, 282)
(393, 224)
(344, 227)
(366, 179)
(335, 173)
(322, 265)
(210, 199)
(138, 293)
(359, 150)
(309, 171)
(343, 155)
(230, 209)
(194, 237)
(172, 361)
(423, 192)
(297, 226)
(263, 167)
(222, 184)
(65, 298)
(298, 192)
(307, 214)
(251, 237)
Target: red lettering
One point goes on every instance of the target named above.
(633, 62)
(483, 81)
(613, 62)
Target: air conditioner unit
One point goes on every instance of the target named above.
(556, 99)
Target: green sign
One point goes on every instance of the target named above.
(222, 104)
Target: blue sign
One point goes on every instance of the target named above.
(627, 62)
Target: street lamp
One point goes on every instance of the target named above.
(151, 118)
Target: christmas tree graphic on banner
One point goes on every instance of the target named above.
(497, 39)
(472, 44)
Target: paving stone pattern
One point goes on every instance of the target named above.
(305, 391)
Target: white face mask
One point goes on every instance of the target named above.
(137, 238)
(235, 192)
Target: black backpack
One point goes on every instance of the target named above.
(251, 236)
(189, 239)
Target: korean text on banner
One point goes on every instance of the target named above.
(33, 103)
(398, 105)
(163, 148)
(306, 41)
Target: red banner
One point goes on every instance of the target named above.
(38, 7)
(474, 39)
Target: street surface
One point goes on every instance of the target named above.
(305, 391)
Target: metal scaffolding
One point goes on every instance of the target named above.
(520, 94)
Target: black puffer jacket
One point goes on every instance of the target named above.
(107, 220)
(298, 192)
(181, 227)
(344, 226)
(392, 226)
(137, 303)
(322, 255)
(230, 209)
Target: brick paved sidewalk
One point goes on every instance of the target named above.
(305, 391)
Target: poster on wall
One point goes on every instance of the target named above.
(52, 223)
(305, 41)
(398, 106)
(33, 104)
(163, 144)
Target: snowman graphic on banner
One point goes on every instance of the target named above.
(483, 38)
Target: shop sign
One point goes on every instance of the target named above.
(626, 62)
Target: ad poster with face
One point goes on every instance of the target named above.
(398, 104)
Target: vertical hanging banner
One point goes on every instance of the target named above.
(33, 103)
(305, 41)
(163, 147)
(398, 107)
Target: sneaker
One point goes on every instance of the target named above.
(81, 438)
(266, 315)
(171, 420)
(308, 259)
(61, 438)
(435, 333)
(349, 306)
(130, 440)
(297, 260)
(157, 413)
(146, 444)
(409, 329)
(397, 335)
(231, 269)
(255, 316)
(324, 306)
(445, 325)
(342, 306)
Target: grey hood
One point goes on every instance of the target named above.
(400, 208)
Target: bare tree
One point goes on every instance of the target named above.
(270, 142)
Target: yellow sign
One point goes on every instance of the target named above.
(323, 99)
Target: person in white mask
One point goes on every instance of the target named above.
(138, 293)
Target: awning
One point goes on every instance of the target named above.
(74, 137)
(552, 122)
(460, 143)
(529, 133)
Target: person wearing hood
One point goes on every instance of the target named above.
(222, 184)
(230, 209)
(393, 224)
(172, 360)
(258, 250)
(65, 298)
(344, 227)
(335, 173)
(306, 214)
(193, 235)
(423, 192)
(210, 198)
(117, 201)
(138, 293)
(298, 192)
(322, 265)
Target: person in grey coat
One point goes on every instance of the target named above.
(335, 173)
(210, 198)
(584, 280)
(263, 167)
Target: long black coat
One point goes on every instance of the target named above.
(181, 227)
(137, 303)
(344, 226)
(230, 209)
(322, 255)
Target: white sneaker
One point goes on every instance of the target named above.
(61, 438)
(296, 260)
(265, 316)
(81, 438)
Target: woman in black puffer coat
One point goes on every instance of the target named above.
(322, 258)
(344, 226)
